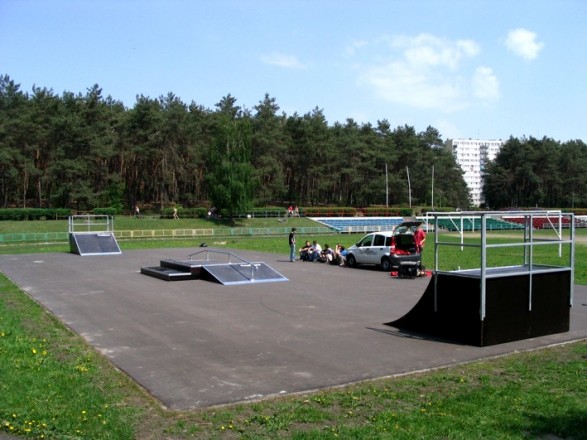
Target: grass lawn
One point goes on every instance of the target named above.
(53, 385)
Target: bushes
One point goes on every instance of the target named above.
(329, 211)
(34, 213)
(185, 212)
(384, 212)
(268, 212)
(106, 211)
(577, 211)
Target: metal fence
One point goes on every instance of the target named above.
(49, 237)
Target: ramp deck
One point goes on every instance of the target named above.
(94, 243)
(227, 272)
(517, 307)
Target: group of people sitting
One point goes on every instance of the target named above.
(315, 252)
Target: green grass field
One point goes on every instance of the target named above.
(450, 258)
(53, 385)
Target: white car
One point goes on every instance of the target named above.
(386, 249)
(373, 248)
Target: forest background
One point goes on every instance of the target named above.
(82, 151)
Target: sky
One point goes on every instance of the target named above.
(469, 68)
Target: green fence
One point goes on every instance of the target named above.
(39, 237)
(142, 234)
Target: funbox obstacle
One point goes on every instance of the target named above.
(224, 268)
(499, 302)
(92, 235)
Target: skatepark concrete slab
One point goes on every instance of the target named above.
(196, 343)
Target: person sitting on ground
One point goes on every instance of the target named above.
(340, 254)
(315, 251)
(306, 252)
(327, 255)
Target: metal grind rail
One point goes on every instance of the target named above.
(242, 262)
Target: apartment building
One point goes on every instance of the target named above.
(472, 156)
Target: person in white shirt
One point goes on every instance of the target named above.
(316, 250)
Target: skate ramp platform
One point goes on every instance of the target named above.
(209, 266)
(517, 306)
(94, 243)
(241, 273)
(92, 235)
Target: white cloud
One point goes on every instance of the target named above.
(485, 84)
(426, 49)
(354, 46)
(425, 71)
(523, 42)
(447, 129)
(282, 60)
(400, 82)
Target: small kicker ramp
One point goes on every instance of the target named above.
(94, 244)
(224, 272)
(242, 273)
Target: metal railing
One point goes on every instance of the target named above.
(90, 223)
(40, 237)
(527, 264)
(230, 256)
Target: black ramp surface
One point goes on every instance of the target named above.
(167, 274)
(94, 244)
(243, 273)
(509, 317)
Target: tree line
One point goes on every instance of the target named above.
(82, 151)
(532, 172)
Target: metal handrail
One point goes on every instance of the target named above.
(253, 266)
(528, 244)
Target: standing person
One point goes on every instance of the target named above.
(419, 238)
(137, 212)
(175, 216)
(292, 245)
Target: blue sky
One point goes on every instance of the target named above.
(488, 69)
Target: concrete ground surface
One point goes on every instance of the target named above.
(197, 343)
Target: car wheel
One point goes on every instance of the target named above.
(350, 260)
(386, 264)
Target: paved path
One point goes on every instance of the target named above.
(196, 343)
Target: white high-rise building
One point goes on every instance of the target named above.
(472, 155)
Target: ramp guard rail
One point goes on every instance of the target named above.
(526, 266)
(90, 223)
(243, 263)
